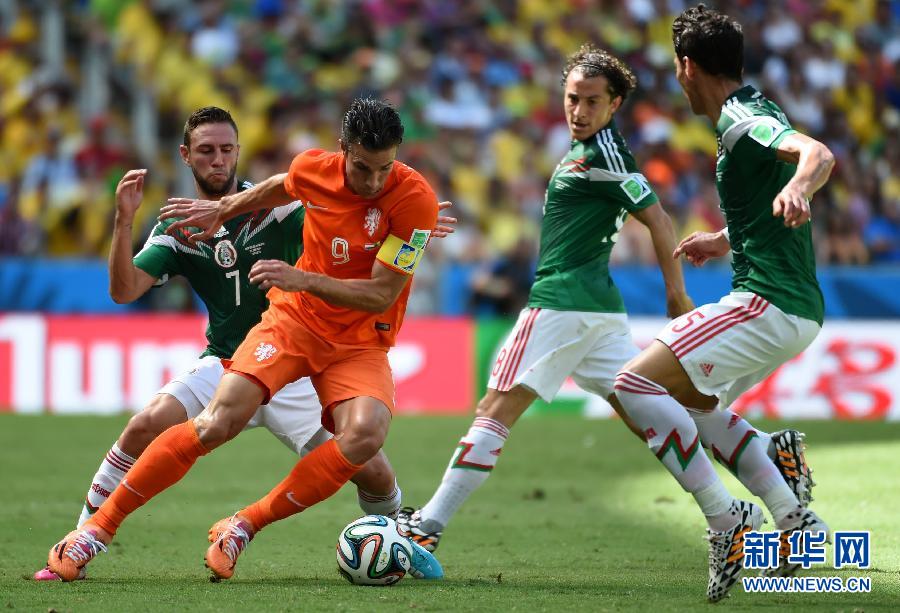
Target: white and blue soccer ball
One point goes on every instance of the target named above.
(371, 551)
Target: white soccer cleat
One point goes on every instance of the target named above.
(409, 523)
(802, 520)
(726, 549)
(790, 461)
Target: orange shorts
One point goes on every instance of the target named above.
(280, 349)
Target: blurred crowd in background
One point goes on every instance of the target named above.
(91, 88)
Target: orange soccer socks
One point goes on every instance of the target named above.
(315, 477)
(162, 464)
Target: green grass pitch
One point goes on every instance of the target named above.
(578, 516)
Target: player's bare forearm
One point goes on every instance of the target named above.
(362, 294)
(374, 295)
(663, 236)
(814, 162)
(209, 215)
(264, 195)
(127, 282)
(121, 275)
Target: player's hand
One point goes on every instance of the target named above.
(129, 193)
(193, 213)
(699, 247)
(275, 273)
(444, 224)
(792, 204)
(677, 304)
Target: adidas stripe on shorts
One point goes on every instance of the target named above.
(729, 346)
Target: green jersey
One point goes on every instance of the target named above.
(217, 268)
(769, 259)
(590, 193)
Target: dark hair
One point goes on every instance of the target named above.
(595, 62)
(713, 40)
(372, 123)
(208, 114)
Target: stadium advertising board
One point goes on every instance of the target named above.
(104, 364)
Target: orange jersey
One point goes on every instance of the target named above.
(344, 234)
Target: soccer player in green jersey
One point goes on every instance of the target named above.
(575, 323)
(217, 269)
(766, 172)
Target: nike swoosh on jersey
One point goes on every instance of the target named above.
(310, 205)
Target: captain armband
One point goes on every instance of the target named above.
(400, 255)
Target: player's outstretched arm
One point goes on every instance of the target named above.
(127, 282)
(375, 294)
(209, 215)
(814, 163)
(663, 235)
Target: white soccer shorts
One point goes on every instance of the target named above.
(546, 346)
(729, 346)
(293, 415)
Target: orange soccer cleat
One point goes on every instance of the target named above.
(229, 537)
(45, 574)
(69, 556)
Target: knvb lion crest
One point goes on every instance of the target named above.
(264, 351)
(225, 254)
(373, 218)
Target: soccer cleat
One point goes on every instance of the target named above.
(45, 574)
(726, 549)
(229, 537)
(802, 520)
(791, 463)
(423, 564)
(68, 557)
(409, 522)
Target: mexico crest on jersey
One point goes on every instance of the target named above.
(373, 218)
(225, 254)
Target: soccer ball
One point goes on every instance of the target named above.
(371, 551)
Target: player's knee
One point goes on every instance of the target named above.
(367, 445)
(214, 432)
(360, 446)
(145, 426)
(218, 424)
(138, 434)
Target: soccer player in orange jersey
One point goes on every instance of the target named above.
(332, 317)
